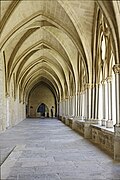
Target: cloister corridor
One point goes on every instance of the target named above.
(46, 149)
(60, 89)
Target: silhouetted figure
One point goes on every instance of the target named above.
(52, 111)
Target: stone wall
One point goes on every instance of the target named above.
(12, 111)
(41, 94)
(103, 138)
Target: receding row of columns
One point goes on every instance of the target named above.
(85, 104)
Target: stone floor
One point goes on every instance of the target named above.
(46, 149)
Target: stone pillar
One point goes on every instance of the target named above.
(70, 111)
(116, 69)
(68, 105)
(59, 109)
(109, 122)
(97, 104)
(93, 101)
(73, 105)
(79, 104)
(83, 104)
(64, 107)
(8, 111)
(90, 101)
(96, 101)
(81, 100)
(87, 101)
(76, 100)
(103, 103)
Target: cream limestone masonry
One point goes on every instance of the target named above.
(40, 95)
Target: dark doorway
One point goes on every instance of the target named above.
(43, 109)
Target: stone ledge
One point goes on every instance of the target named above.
(102, 128)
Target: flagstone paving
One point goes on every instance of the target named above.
(46, 149)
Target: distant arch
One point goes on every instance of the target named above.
(43, 110)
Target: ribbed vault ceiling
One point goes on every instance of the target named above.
(43, 39)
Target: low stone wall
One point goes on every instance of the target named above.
(67, 121)
(79, 126)
(103, 138)
(91, 130)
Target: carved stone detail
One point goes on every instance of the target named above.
(116, 68)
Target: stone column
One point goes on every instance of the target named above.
(60, 109)
(97, 104)
(62, 102)
(90, 101)
(93, 101)
(64, 107)
(87, 101)
(70, 111)
(116, 69)
(103, 103)
(73, 105)
(68, 106)
(8, 111)
(83, 104)
(80, 104)
(109, 122)
(96, 101)
(76, 100)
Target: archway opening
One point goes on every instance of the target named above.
(43, 110)
(41, 100)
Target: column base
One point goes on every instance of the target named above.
(109, 124)
(103, 122)
(94, 121)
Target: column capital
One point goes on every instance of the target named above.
(109, 79)
(66, 98)
(88, 86)
(91, 85)
(7, 95)
(97, 85)
(103, 81)
(116, 68)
